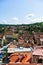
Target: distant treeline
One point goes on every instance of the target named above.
(37, 27)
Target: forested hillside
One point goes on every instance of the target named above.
(37, 27)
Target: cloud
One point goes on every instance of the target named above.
(37, 20)
(41, 19)
(28, 16)
(30, 19)
(4, 21)
(15, 18)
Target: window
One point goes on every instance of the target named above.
(39, 60)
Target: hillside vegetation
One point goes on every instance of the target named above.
(37, 27)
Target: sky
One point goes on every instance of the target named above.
(21, 11)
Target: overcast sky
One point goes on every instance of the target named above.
(21, 11)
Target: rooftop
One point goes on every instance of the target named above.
(21, 49)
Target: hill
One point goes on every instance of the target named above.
(37, 27)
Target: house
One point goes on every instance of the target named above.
(20, 55)
(20, 40)
(26, 36)
(9, 32)
(12, 45)
(39, 37)
(38, 55)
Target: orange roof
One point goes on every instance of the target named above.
(21, 64)
(22, 57)
(26, 58)
(13, 58)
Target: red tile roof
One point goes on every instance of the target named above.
(38, 51)
(21, 64)
(22, 57)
